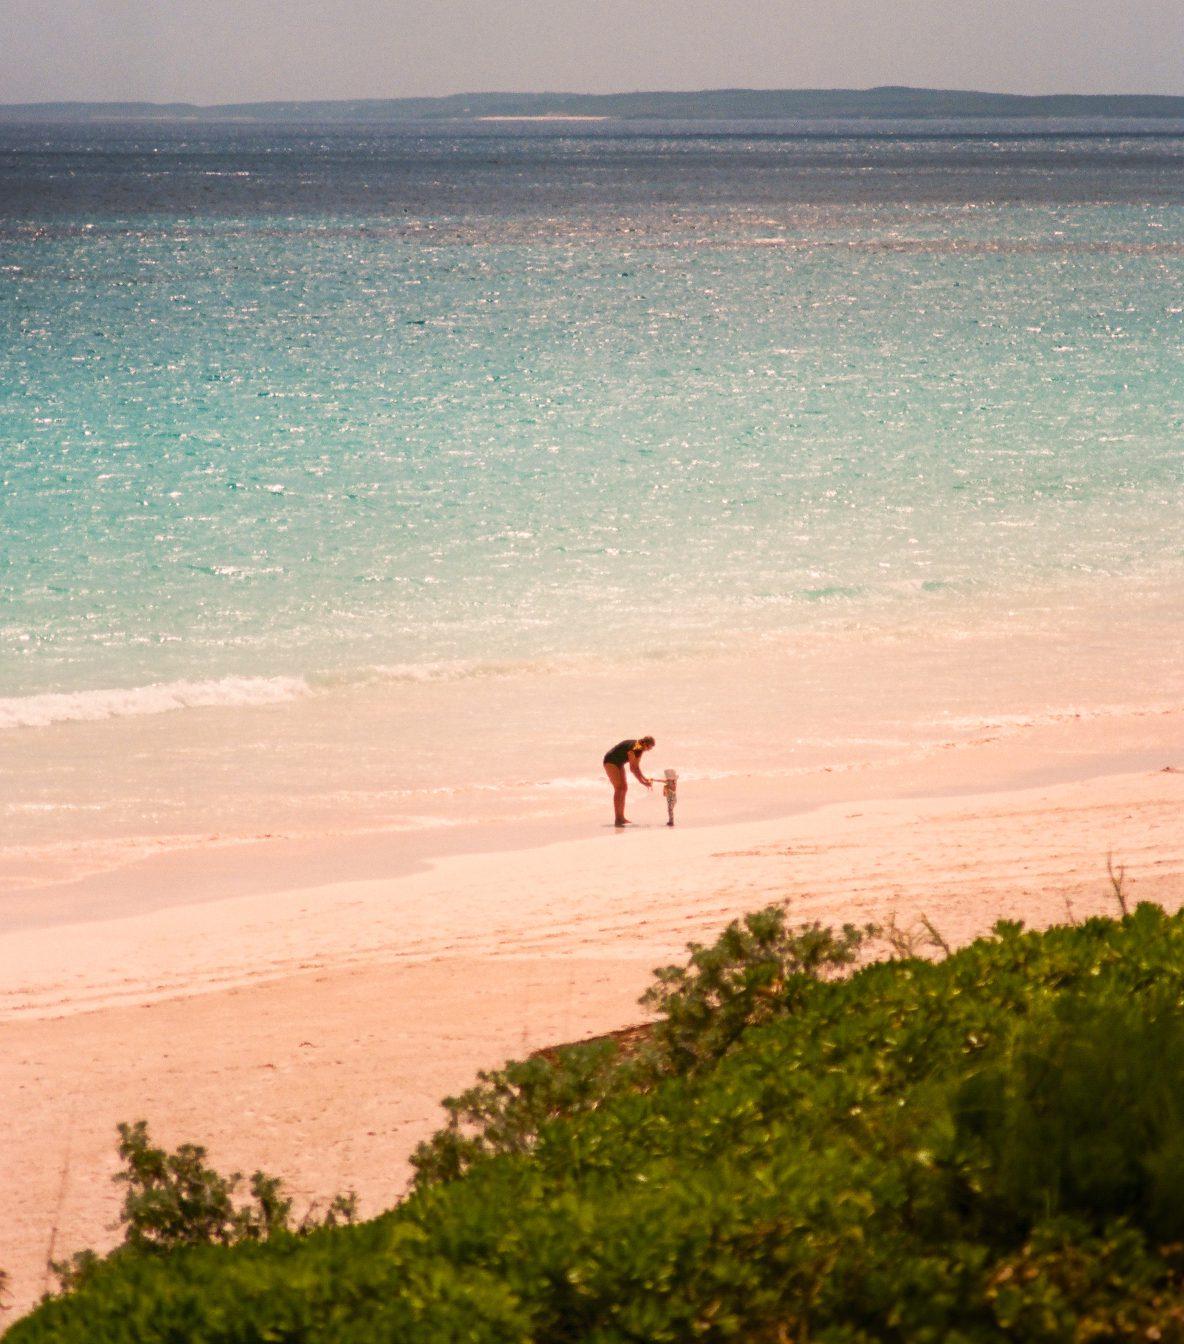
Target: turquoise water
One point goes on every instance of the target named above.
(658, 395)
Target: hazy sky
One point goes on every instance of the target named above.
(243, 50)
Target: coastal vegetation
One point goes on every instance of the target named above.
(805, 1144)
(174, 1200)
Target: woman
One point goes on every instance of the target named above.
(629, 753)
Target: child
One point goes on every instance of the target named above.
(670, 793)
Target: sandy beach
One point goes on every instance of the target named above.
(308, 1017)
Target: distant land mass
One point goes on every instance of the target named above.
(879, 104)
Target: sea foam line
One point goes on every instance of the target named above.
(458, 669)
(39, 711)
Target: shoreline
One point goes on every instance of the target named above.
(107, 819)
(142, 876)
(94, 932)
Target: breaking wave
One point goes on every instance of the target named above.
(39, 711)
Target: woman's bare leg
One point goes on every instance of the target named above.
(616, 774)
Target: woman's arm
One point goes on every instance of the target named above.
(635, 766)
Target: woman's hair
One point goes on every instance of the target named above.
(646, 742)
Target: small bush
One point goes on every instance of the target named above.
(503, 1111)
(174, 1200)
(754, 971)
(750, 974)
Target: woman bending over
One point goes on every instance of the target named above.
(626, 753)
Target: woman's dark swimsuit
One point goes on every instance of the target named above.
(620, 753)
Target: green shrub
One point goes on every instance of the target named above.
(1084, 1114)
(1069, 1283)
(174, 1200)
(503, 1111)
(753, 972)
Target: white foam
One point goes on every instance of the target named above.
(466, 669)
(455, 670)
(1015, 723)
(39, 711)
